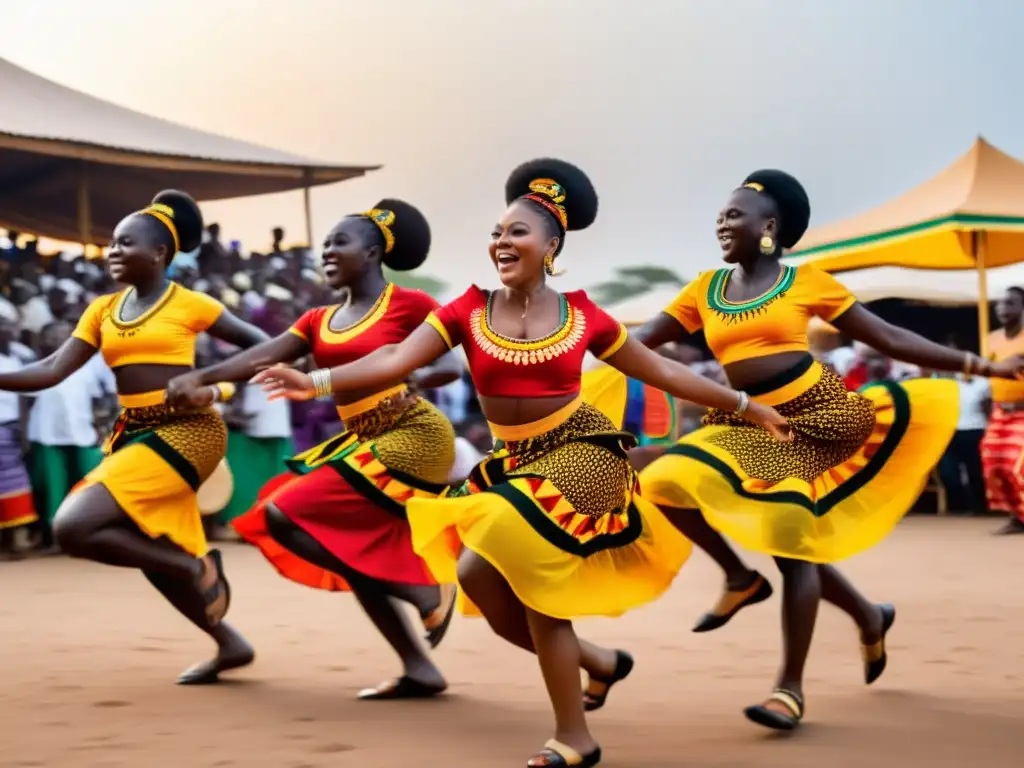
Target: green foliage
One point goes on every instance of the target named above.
(633, 281)
(417, 280)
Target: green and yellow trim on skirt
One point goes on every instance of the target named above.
(857, 464)
(396, 447)
(557, 511)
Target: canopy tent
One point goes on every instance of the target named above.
(72, 165)
(969, 216)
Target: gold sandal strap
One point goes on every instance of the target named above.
(790, 701)
(570, 755)
(873, 652)
(436, 617)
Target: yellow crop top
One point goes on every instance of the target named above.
(774, 322)
(165, 334)
(1002, 348)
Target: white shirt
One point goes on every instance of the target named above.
(9, 400)
(62, 415)
(270, 418)
(466, 457)
(973, 394)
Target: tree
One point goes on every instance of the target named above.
(633, 281)
(416, 280)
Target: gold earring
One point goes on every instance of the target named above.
(767, 245)
(549, 266)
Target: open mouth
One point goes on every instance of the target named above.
(505, 259)
(330, 268)
(725, 241)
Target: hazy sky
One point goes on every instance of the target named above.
(666, 103)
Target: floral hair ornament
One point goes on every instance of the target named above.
(383, 219)
(549, 194)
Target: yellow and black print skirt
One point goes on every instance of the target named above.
(556, 509)
(857, 464)
(154, 461)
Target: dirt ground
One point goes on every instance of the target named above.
(88, 656)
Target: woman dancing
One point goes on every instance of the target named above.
(338, 522)
(1002, 447)
(551, 526)
(138, 508)
(856, 464)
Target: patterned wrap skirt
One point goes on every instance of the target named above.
(155, 460)
(556, 509)
(1002, 458)
(857, 464)
(17, 506)
(350, 493)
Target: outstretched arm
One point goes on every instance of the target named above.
(441, 372)
(50, 371)
(638, 362)
(386, 366)
(235, 331)
(860, 323)
(659, 330)
(286, 348)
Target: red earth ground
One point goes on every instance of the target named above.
(88, 656)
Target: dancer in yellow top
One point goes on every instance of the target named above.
(138, 508)
(857, 461)
(552, 526)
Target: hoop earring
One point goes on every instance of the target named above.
(549, 266)
(767, 245)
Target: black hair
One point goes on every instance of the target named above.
(790, 201)
(411, 233)
(575, 194)
(1017, 291)
(187, 219)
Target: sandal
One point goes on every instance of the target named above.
(213, 586)
(874, 654)
(623, 666)
(763, 714)
(401, 688)
(732, 602)
(438, 620)
(558, 755)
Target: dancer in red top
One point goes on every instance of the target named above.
(552, 526)
(338, 522)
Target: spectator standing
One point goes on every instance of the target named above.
(16, 505)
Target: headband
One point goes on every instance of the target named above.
(165, 215)
(383, 220)
(754, 186)
(549, 194)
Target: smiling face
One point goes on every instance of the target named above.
(136, 250)
(519, 242)
(742, 222)
(350, 248)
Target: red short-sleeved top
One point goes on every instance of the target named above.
(545, 367)
(396, 313)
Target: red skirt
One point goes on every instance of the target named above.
(1002, 453)
(349, 494)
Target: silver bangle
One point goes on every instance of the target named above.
(216, 393)
(322, 382)
(743, 404)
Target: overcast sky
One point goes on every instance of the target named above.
(666, 103)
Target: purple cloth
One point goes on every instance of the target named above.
(313, 422)
(13, 474)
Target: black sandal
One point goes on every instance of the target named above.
(875, 657)
(732, 602)
(216, 595)
(558, 755)
(401, 688)
(438, 620)
(764, 715)
(623, 666)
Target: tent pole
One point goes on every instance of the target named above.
(981, 248)
(308, 208)
(84, 211)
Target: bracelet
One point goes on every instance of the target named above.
(968, 363)
(216, 393)
(322, 386)
(743, 404)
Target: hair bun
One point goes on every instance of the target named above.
(790, 198)
(411, 233)
(562, 183)
(188, 219)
